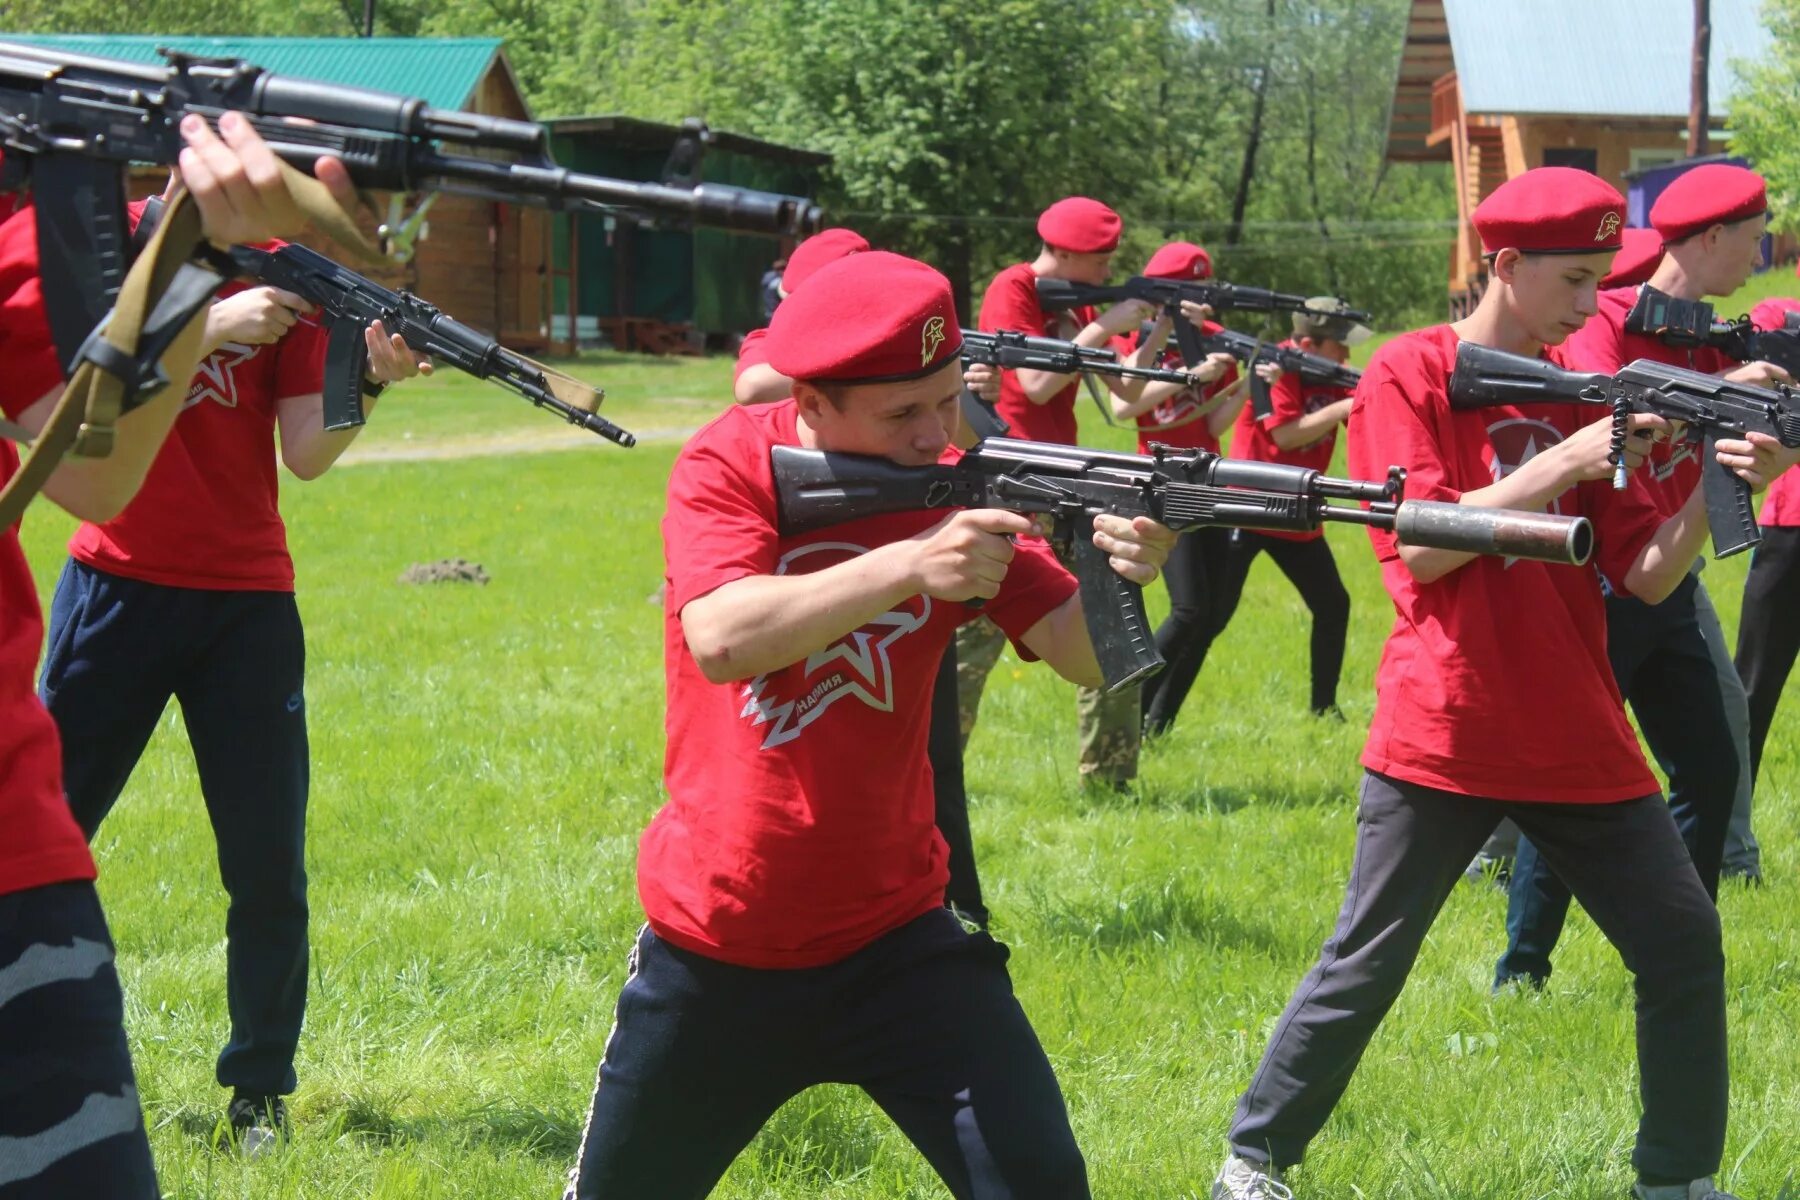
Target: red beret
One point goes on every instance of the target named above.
(826, 246)
(1179, 260)
(1708, 195)
(1080, 226)
(1552, 210)
(873, 317)
(1773, 314)
(1637, 259)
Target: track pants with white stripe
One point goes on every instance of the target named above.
(70, 1125)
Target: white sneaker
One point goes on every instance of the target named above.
(1700, 1189)
(1242, 1179)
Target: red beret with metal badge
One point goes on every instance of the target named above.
(1552, 210)
(874, 317)
(1179, 260)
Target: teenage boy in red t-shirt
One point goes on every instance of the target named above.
(1495, 698)
(1079, 236)
(69, 1113)
(757, 382)
(1671, 660)
(189, 592)
(1189, 418)
(794, 880)
(1768, 636)
(1301, 431)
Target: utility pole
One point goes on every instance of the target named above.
(1698, 115)
(368, 26)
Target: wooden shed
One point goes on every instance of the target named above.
(1497, 87)
(482, 262)
(664, 290)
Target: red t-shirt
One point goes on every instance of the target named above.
(1603, 345)
(1197, 433)
(800, 824)
(752, 351)
(1011, 303)
(207, 516)
(1781, 503)
(39, 840)
(1290, 398)
(1494, 681)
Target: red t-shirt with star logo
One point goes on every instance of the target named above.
(39, 841)
(1603, 345)
(800, 824)
(1011, 303)
(1192, 431)
(206, 516)
(1494, 680)
(1290, 398)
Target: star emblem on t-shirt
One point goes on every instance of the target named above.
(216, 379)
(857, 664)
(1516, 441)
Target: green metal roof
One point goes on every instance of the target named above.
(442, 71)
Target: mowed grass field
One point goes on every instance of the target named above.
(484, 758)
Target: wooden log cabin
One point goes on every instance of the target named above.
(1496, 87)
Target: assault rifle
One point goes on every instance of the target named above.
(71, 124)
(1183, 489)
(1021, 351)
(1250, 351)
(1676, 322)
(1055, 295)
(348, 302)
(1711, 407)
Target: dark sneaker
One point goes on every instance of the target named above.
(258, 1123)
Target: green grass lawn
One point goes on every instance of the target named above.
(484, 758)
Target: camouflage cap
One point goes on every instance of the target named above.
(1324, 319)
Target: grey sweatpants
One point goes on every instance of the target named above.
(1627, 866)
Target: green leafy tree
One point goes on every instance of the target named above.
(1765, 113)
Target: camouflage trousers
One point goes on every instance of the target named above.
(1107, 727)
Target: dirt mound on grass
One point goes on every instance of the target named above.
(445, 570)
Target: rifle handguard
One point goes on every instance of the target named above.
(1510, 532)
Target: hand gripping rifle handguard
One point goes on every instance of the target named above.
(1183, 489)
(1055, 295)
(1014, 351)
(348, 301)
(1253, 351)
(1710, 407)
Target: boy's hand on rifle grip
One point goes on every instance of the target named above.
(965, 555)
(1757, 458)
(255, 316)
(1586, 453)
(1125, 316)
(983, 380)
(1138, 546)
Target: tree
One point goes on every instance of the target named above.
(1764, 116)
